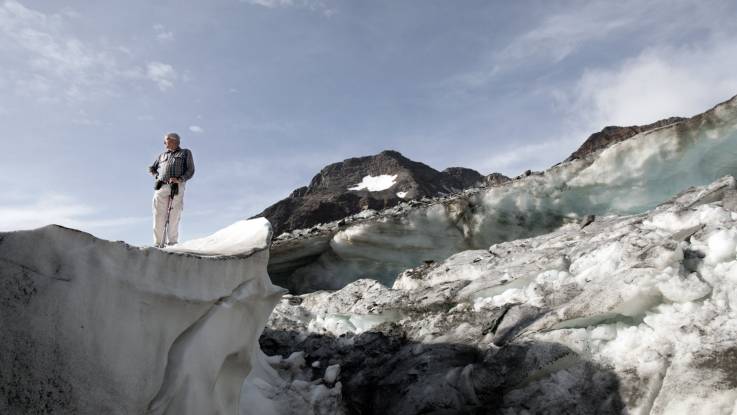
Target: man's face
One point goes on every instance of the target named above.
(170, 143)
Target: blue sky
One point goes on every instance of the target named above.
(266, 92)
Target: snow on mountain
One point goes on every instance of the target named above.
(627, 177)
(376, 183)
(360, 183)
(627, 314)
(91, 326)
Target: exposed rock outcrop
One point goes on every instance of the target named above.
(613, 134)
(465, 177)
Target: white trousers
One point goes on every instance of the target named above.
(160, 208)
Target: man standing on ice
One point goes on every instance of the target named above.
(171, 169)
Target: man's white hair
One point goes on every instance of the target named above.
(173, 136)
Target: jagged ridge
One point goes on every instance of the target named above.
(328, 197)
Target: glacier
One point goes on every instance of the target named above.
(92, 326)
(626, 178)
(605, 284)
(626, 314)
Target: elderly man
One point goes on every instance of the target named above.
(172, 169)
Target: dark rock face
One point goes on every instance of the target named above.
(467, 177)
(385, 373)
(611, 134)
(495, 179)
(328, 197)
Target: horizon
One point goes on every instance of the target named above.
(250, 85)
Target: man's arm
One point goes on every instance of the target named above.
(154, 168)
(188, 166)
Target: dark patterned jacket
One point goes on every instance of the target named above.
(175, 163)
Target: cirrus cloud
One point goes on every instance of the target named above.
(162, 74)
(163, 35)
(315, 5)
(42, 59)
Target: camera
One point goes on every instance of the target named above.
(174, 187)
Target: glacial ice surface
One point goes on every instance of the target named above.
(648, 297)
(629, 177)
(91, 326)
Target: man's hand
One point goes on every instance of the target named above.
(175, 180)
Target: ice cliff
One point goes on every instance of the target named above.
(604, 285)
(97, 327)
(630, 176)
(627, 314)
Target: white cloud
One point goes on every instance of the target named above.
(302, 4)
(658, 83)
(552, 40)
(163, 74)
(677, 59)
(163, 35)
(196, 129)
(22, 212)
(560, 34)
(565, 32)
(42, 59)
(269, 3)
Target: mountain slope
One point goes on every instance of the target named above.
(612, 134)
(373, 182)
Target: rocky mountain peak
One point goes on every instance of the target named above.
(338, 177)
(467, 177)
(372, 182)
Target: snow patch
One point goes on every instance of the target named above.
(376, 183)
(722, 245)
(401, 195)
(241, 238)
